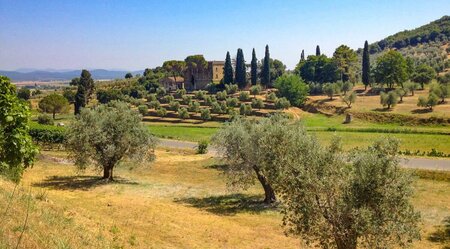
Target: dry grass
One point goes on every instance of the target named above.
(372, 103)
(180, 201)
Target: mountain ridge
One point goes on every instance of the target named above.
(43, 75)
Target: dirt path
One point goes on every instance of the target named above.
(412, 162)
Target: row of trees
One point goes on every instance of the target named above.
(331, 198)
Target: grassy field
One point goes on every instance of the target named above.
(358, 133)
(180, 201)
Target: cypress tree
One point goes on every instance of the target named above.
(228, 70)
(241, 77)
(265, 73)
(317, 50)
(302, 56)
(254, 68)
(366, 65)
(84, 91)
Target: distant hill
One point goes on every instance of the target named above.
(428, 44)
(436, 31)
(41, 75)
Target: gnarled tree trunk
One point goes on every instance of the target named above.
(108, 173)
(268, 190)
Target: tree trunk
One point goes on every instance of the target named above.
(268, 190)
(108, 173)
(54, 114)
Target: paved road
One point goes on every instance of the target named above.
(412, 162)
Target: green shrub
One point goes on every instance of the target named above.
(194, 106)
(174, 105)
(271, 97)
(161, 112)
(293, 88)
(161, 91)
(282, 103)
(209, 100)
(232, 102)
(143, 109)
(389, 99)
(216, 108)
(167, 99)
(179, 93)
(45, 119)
(232, 88)
(244, 96)
(257, 103)
(202, 147)
(429, 102)
(151, 97)
(255, 90)
(24, 93)
(154, 104)
(199, 94)
(186, 99)
(46, 134)
(205, 114)
(245, 109)
(221, 95)
(183, 113)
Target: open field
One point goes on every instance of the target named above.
(179, 201)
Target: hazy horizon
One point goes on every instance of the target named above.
(133, 35)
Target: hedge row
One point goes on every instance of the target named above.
(47, 134)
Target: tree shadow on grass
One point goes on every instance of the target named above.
(442, 234)
(219, 167)
(382, 109)
(78, 182)
(230, 204)
(421, 111)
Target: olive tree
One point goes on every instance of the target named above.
(108, 135)
(388, 99)
(428, 102)
(349, 98)
(346, 201)
(17, 151)
(249, 148)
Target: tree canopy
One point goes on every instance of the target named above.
(391, 69)
(366, 65)
(54, 103)
(17, 151)
(345, 59)
(241, 71)
(108, 135)
(265, 71)
(293, 88)
(254, 68)
(228, 70)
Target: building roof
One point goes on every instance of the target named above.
(217, 62)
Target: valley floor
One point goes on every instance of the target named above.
(178, 201)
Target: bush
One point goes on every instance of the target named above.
(257, 103)
(186, 99)
(271, 97)
(194, 106)
(69, 95)
(245, 109)
(45, 119)
(47, 135)
(161, 91)
(282, 103)
(143, 109)
(179, 93)
(161, 112)
(221, 95)
(244, 96)
(232, 88)
(255, 90)
(199, 94)
(167, 99)
(216, 108)
(292, 88)
(36, 92)
(154, 104)
(232, 102)
(151, 97)
(174, 105)
(183, 113)
(329, 89)
(209, 100)
(202, 147)
(349, 98)
(205, 114)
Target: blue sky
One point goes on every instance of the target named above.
(135, 34)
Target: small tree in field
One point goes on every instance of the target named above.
(255, 90)
(329, 89)
(205, 114)
(401, 92)
(429, 102)
(54, 103)
(349, 98)
(388, 99)
(411, 87)
(359, 201)
(442, 91)
(108, 135)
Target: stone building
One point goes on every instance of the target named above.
(171, 83)
(199, 78)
